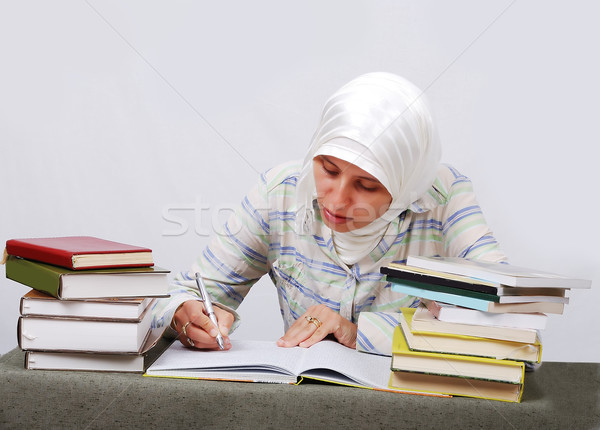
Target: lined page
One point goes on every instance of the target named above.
(364, 369)
(257, 360)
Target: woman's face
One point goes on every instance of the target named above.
(349, 198)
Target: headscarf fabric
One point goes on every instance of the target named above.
(381, 123)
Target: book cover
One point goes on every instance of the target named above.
(489, 369)
(41, 304)
(467, 345)
(80, 252)
(63, 283)
(444, 279)
(505, 274)
(478, 303)
(456, 314)
(154, 346)
(424, 321)
(83, 335)
(454, 386)
(445, 289)
(417, 274)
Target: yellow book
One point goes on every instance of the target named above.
(467, 345)
(451, 385)
(403, 359)
(454, 374)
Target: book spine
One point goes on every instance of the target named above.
(33, 275)
(445, 289)
(467, 302)
(439, 281)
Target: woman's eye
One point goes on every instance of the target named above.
(366, 187)
(329, 171)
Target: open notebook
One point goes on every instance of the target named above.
(264, 361)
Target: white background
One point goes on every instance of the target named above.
(124, 119)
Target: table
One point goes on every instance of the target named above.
(556, 396)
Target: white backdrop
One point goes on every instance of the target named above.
(143, 121)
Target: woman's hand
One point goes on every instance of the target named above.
(195, 328)
(318, 322)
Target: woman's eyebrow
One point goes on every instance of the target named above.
(374, 180)
(325, 158)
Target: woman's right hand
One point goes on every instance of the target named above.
(195, 328)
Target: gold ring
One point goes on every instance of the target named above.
(184, 328)
(314, 320)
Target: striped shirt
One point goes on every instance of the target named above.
(260, 238)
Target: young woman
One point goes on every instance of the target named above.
(369, 192)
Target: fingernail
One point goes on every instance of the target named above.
(213, 332)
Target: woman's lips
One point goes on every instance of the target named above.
(333, 218)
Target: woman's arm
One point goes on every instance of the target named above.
(233, 261)
(465, 232)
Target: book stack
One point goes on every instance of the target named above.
(90, 302)
(477, 325)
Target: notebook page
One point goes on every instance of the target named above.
(368, 370)
(244, 355)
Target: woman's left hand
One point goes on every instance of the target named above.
(315, 324)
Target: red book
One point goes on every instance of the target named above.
(80, 252)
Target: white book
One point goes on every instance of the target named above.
(264, 361)
(505, 274)
(424, 321)
(97, 361)
(40, 304)
(456, 314)
(83, 335)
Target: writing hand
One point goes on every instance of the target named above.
(315, 324)
(195, 328)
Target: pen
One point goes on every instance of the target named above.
(209, 308)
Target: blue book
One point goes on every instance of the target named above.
(476, 303)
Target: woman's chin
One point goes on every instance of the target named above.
(339, 227)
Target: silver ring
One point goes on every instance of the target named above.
(191, 342)
(184, 328)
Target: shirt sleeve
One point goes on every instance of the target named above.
(234, 260)
(465, 231)
(375, 332)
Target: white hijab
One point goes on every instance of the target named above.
(381, 123)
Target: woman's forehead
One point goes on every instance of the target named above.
(347, 167)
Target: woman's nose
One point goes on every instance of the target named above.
(340, 195)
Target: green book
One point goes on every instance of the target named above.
(445, 289)
(63, 283)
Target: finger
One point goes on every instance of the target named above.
(198, 326)
(323, 328)
(318, 335)
(225, 320)
(186, 341)
(300, 331)
(202, 340)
